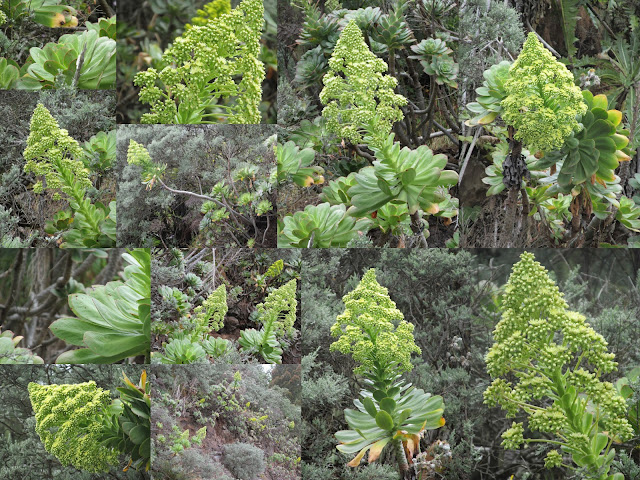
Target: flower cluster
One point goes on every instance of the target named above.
(513, 437)
(282, 304)
(213, 310)
(3, 16)
(138, 155)
(202, 66)
(543, 345)
(211, 10)
(542, 100)
(553, 459)
(357, 94)
(68, 423)
(10, 353)
(366, 329)
(51, 153)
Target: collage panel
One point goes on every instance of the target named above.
(197, 62)
(504, 364)
(502, 134)
(193, 186)
(370, 133)
(48, 44)
(57, 183)
(225, 306)
(68, 422)
(550, 98)
(226, 422)
(74, 306)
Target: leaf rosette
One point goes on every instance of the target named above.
(113, 320)
(321, 226)
(416, 177)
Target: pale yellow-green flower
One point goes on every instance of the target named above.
(282, 304)
(213, 310)
(542, 100)
(68, 423)
(358, 95)
(204, 64)
(367, 330)
(53, 155)
(543, 351)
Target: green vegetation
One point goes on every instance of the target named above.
(390, 411)
(202, 186)
(554, 125)
(584, 415)
(431, 326)
(208, 305)
(197, 62)
(83, 59)
(232, 422)
(76, 423)
(369, 115)
(113, 320)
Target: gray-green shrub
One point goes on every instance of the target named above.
(243, 460)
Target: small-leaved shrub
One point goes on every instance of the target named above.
(245, 461)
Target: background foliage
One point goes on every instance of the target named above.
(238, 404)
(196, 159)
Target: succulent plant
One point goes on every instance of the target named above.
(593, 153)
(430, 47)
(210, 315)
(389, 411)
(319, 31)
(542, 100)
(548, 362)
(68, 422)
(113, 320)
(488, 104)
(365, 18)
(277, 315)
(357, 94)
(295, 164)
(313, 65)
(628, 214)
(444, 69)
(9, 73)
(128, 428)
(181, 351)
(320, 226)
(393, 218)
(337, 191)
(416, 177)
(10, 353)
(215, 346)
(392, 30)
(98, 70)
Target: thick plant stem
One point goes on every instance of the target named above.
(401, 458)
(82, 205)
